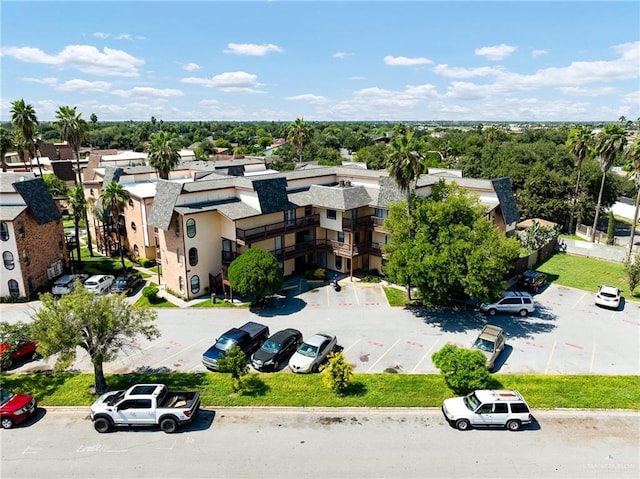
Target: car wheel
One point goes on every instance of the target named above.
(169, 425)
(7, 423)
(462, 424)
(513, 425)
(492, 312)
(102, 425)
(523, 312)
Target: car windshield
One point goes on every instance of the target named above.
(606, 294)
(271, 346)
(91, 283)
(484, 344)
(308, 350)
(121, 282)
(5, 396)
(111, 400)
(471, 401)
(225, 344)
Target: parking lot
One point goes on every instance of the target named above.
(567, 334)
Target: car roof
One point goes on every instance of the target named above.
(504, 395)
(515, 294)
(283, 334)
(64, 279)
(490, 331)
(97, 277)
(609, 289)
(317, 339)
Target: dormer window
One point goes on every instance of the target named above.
(331, 214)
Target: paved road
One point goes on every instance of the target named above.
(568, 334)
(326, 443)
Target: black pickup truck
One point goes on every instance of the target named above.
(247, 337)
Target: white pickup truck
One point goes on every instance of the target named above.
(145, 405)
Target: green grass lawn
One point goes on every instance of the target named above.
(585, 273)
(367, 390)
(143, 302)
(219, 304)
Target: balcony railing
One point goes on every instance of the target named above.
(349, 224)
(259, 233)
(378, 223)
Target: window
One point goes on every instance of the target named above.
(130, 203)
(7, 257)
(181, 283)
(20, 229)
(191, 227)
(4, 231)
(381, 213)
(195, 284)
(133, 226)
(500, 408)
(31, 285)
(518, 407)
(193, 256)
(136, 251)
(341, 236)
(290, 216)
(485, 409)
(339, 263)
(179, 256)
(331, 214)
(177, 227)
(308, 210)
(14, 290)
(25, 258)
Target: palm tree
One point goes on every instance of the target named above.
(24, 119)
(21, 147)
(609, 142)
(163, 154)
(115, 196)
(6, 144)
(299, 132)
(72, 130)
(78, 205)
(632, 154)
(578, 141)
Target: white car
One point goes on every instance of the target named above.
(66, 284)
(311, 353)
(99, 283)
(608, 297)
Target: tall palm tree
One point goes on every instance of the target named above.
(24, 119)
(632, 154)
(21, 148)
(162, 154)
(6, 144)
(609, 142)
(116, 196)
(78, 205)
(72, 130)
(299, 132)
(579, 142)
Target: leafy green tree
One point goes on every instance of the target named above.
(632, 268)
(374, 156)
(11, 336)
(116, 196)
(162, 154)
(632, 155)
(256, 273)
(6, 144)
(299, 132)
(536, 236)
(447, 246)
(611, 228)
(464, 370)
(234, 362)
(24, 119)
(56, 186)
(609, 142)
(404, 159)
(101, 325)
(94, 119)
(338, 373)
(328, 157)
(78, 203)
(579, 142)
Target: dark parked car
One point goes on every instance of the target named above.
(532, 281)
(126, 283)
(277, 349)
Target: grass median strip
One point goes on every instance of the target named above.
(367, 390)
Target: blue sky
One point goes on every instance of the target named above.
(336, 61)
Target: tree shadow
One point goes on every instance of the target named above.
(253, 386)
(279, 306)
(355, 389)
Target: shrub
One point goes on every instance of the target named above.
(151, 292)
(464, 370)
(145, 262)
(632, 267)
(338, 373)
(611, 229)
(369, 278)
(234, 362)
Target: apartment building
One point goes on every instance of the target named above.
(31, 235)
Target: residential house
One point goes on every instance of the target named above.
(31, 235)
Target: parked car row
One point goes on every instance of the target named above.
(98, 283)
(269, 352)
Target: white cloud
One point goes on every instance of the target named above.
(461, 72)
(148, 92)
(51, 81)
(357, 78)
(341, 55)
(311, 98)
(83, 86)
(124, 36)
(496, 52)
(190, 66)
(101, 34)
(538, 53)
(251, 49)
(228, 82)
(584, 91)
(86, 58)
(405, 61)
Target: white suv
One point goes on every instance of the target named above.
(66, 284)
(487, 407)
(510, 302)
(99, 283)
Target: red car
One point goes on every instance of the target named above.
(23, 349)
(15, 408)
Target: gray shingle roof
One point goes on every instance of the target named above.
(37, 197)
(10, 213)
(390, 192)
(337, 198)
(8, 179)
(272, 194)
(162, 209)
(232, 209)
(504, 191)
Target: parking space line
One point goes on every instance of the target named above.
(425, 355)
(383, 355)
(593, 356)
(580, 299)
(347, 349)
(355, 293)
(553, 348)
(162, 362)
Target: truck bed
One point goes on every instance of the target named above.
(178, 399)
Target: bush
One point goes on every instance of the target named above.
(464, 370)
(611, 229)
(338, 373)
(369, 278)
(151, 293)
(145, 262)
(632, 267)
(234, 362)
(317, 274)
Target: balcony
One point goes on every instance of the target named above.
(259, 233)
(378, 224)
(349, 224)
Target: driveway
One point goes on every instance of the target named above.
(567, 334)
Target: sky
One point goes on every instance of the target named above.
(323, 61)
